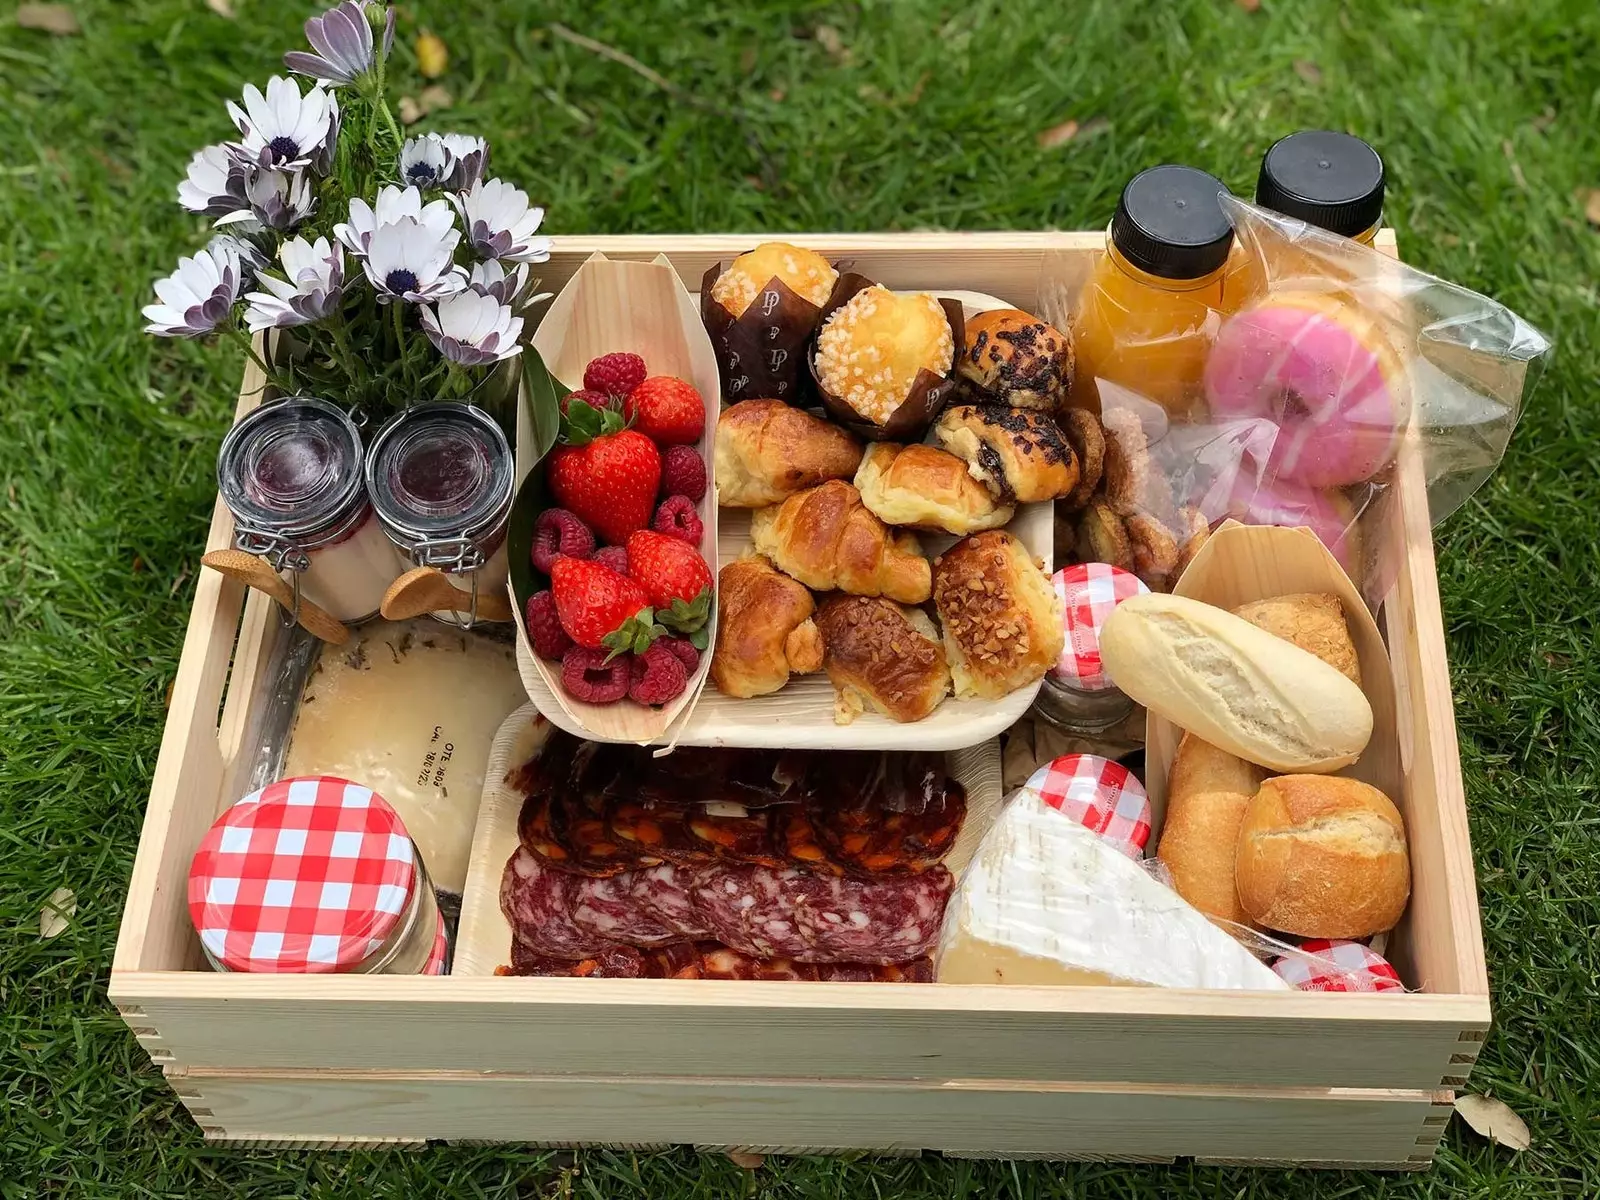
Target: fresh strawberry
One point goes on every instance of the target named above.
(666, 410)
(605, 473)
(676, 579)
(593, 602)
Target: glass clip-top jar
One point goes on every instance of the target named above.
(291, 473)
(1078, 696)
(441, 478)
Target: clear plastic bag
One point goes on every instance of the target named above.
(1328, 368)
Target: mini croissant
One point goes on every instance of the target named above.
(764, 630)
(828, 539)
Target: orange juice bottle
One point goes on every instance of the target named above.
(1334, 181)
(1147, 314)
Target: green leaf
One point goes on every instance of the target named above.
(543, 400)
(634, 635)
(700, 638)
(687, 618)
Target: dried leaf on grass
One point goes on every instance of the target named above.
(1591, 207)
(1072, 131)
(55, 19)
(428, 100)
(223, 8)
(57, 911)
(830, 40)
(748, 1161)
(1248, 5)
(433, 56)
(1308, 71)
(1492, 1119)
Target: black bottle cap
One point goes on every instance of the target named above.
(1331, 180)
(1170, 223)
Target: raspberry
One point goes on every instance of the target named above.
(678, 518)
(614, 374)
(683, 649)
(683, 473)
(615, 557)
(595, 400)
(558, 532)
(544, 627)
(657, 675)
(587, 675)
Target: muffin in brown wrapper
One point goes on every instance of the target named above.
(929, 392)
(759, 352)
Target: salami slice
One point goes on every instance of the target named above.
(728, 830)
(681, 961)
(611, 962)
(798, 838)
(536, 835)
(666, 894)
(874, 920)
(886, 813)
(655, 830)
(918, 970)
(756, 910)
(724, 962)
(538, 903)
(578, 822)
(606, 907)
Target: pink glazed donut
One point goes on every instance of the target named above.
(1328, 514)
(1324, 373)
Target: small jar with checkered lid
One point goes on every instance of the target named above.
(315, 875)
(1078, 696)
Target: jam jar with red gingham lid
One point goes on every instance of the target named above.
(1077, 695)
(1103, 796)
(315, 875)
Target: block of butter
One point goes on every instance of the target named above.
(1047, 902)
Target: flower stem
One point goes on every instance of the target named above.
(248, 342)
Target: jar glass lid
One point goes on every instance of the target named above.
(440, 471)
(291, 467)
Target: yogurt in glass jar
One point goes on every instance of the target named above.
(441, 479)
(291, 472)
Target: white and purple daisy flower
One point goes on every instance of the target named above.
(198, 296)
(472, 329)
(424, 161)
(252, 259)
(342, 39)
(469, 160)
(393, 204)
(407, 260)
(311, 291)
(283, 129)
(215, 182)
(278, 200)
(500, 224)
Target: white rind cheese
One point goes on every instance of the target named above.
(1046, 902)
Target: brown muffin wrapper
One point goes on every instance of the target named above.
(759, 353)
(929, 392)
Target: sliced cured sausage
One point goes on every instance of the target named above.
(918, 970)
(885, 813)
(655, 830)
(666, 893)
(681, 961)
(728, 830)
(755, 910)
(607, 908)
(578, 823)
(874, 920)
(724, 962)
(537, 901)
(611, 962)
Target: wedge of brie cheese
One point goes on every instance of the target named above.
(1046, 902)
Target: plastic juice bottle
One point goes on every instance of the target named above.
(1147, 314)
(1334, 181)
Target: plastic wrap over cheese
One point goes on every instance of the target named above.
(1046, 902)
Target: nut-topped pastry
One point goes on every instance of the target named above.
(1002, 619)
(881, 653)
(871, 348)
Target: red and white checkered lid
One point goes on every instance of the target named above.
(307, 874)
(441, 948)
(1089, 592)
(1102, 796)
(1343, 967)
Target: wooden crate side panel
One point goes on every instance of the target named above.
(970, 1117)
(561, 1026)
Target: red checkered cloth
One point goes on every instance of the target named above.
(436, 956)
(1099, 794)
(1089, 592)
(306, 874)
(1334, 966)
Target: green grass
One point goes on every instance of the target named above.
(1487, 112)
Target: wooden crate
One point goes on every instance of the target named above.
(1119, 1073)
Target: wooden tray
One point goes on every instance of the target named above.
(1126, 1073)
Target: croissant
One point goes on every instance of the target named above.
(827, 539)
(764, 630)
(766, 450)
(881, 654)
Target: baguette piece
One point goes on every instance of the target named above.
(1207, 795)
(827, 539)
(1314, 621)
(1234, 685)
(1323, 857)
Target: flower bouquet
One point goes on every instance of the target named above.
(396, 266)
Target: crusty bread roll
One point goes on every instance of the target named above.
(1018, 454)
(1017, 359)
(764, 630)
(1208, 791)
(880, 653)
(1314, 621)
(1235, 686)
(926, 489)
(826, 538)
(767, 450)
(1003, 626)
(1323, 857)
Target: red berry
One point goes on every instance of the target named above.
(591, 398)
(544, 626)
(559, 532)
(593, 601)
(614, 374)
(667, 410)
(677, 517)
(587, 676)
(615, 557)
(667, 569)
(609, 482)
(684, 649)
(657, 676)
(683, 473)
